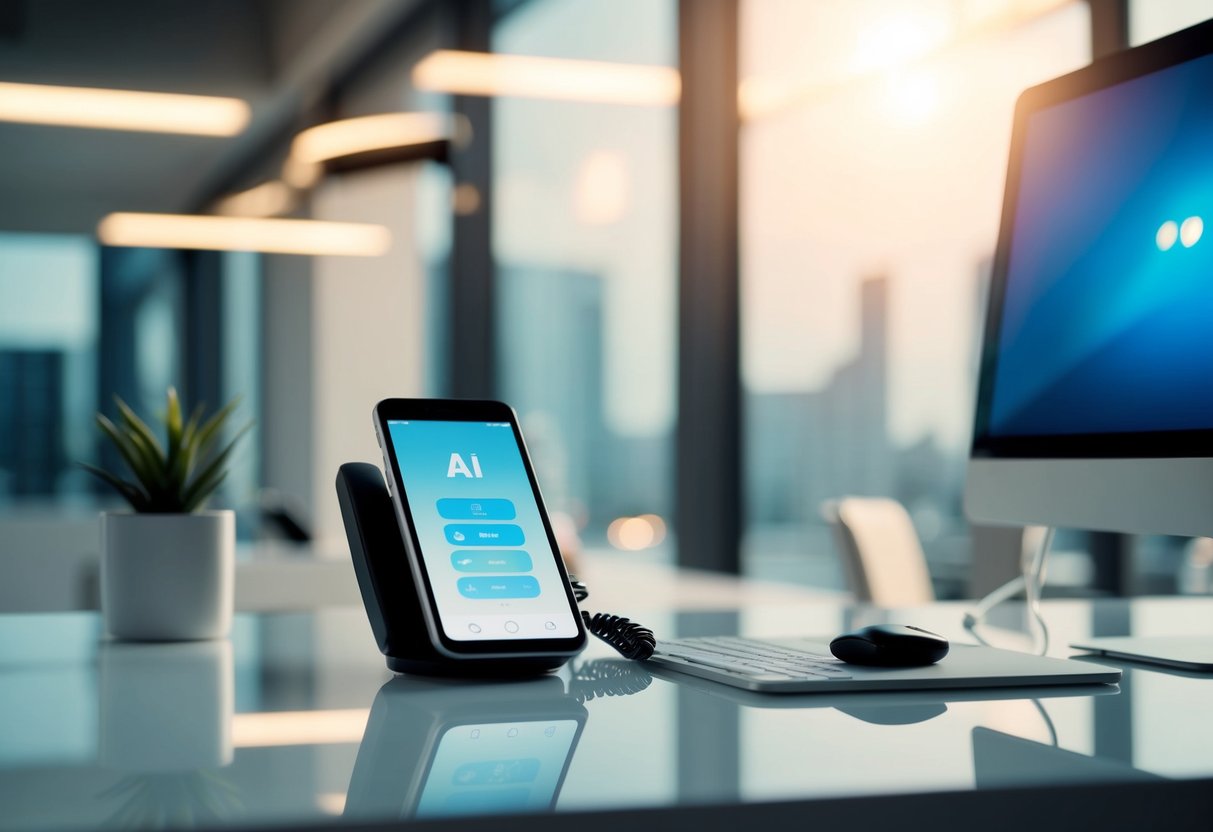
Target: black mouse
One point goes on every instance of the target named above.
(890, 645)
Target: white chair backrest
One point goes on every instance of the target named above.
(881, 554)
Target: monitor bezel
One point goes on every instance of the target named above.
(1183, 46)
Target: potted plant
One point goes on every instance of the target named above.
(168, 566)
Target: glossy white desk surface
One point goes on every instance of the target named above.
(295, 720)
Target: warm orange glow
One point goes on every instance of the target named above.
(366, 133)
(265, 200)
(152, 112)
(658, 525)
(483, 73)
(244, 234)
(636, 533)
(898, 43)
(277, 728)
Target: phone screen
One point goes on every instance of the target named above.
(483, 542)
(497, 768)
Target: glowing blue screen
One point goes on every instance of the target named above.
(486, 551)
(1107, 323)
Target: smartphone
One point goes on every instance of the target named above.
(478, 539)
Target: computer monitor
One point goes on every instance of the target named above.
(1095, 400)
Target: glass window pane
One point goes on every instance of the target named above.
(49, 300)
(80, 324)
(874, 151)
(1152, 19)
(585, 237)
(240, 345)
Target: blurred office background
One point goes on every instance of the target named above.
(727, 259)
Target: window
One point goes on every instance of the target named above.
(1156, 18)
(585, 242)
(873, 157)
(80, 324)
(49, 310)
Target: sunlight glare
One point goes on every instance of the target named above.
(913, 97)
(898, 39)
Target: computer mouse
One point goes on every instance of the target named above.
(890, 645)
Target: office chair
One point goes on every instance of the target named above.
(882, 558)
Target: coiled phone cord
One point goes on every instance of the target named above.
(631, 640)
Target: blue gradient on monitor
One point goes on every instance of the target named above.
(1103, 332)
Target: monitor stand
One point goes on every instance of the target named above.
(1029, 583)
(1191, 653)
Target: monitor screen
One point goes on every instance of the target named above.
(1103, 300)
(1095, 398)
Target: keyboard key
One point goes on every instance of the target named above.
(755, 659)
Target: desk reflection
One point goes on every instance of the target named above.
(166, 707)
(438, 748)
(144, 735)
(165, 725)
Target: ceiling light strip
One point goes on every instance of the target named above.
(489, 74)
(272, 236)
(153, 112)
(368, 133)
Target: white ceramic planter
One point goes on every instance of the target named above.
(168, 577)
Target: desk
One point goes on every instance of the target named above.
(295, 721)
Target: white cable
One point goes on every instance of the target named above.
(1004, 593)
(1030, 583)
(1033, 580)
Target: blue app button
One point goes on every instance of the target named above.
(484, 534)
(510, 560)
(510, 586)
(451, 508)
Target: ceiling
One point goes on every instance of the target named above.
(278, 55)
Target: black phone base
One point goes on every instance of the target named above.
(389, 592)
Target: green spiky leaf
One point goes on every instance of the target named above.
(172, 421)
(212, 475)
(189, 447)
(131, 493)
(164, 478)
(137, 426)
(199, 500)
(209, 432)
(141, 465)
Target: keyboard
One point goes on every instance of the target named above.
(759, 661)
(804, 665)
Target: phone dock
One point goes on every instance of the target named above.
(389, 592)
